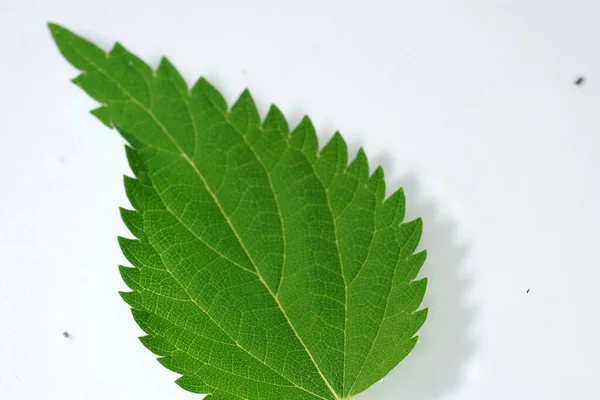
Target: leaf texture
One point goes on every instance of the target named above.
(263, 267)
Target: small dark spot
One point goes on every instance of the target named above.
(528, 290)
(66, 334)
(579, 81)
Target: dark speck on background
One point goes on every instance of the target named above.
(580, 81)
(66, 334)
(528, 290)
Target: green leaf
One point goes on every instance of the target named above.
(263, 267)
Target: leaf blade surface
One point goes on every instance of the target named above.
(263, 268)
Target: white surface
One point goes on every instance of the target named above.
(468, 104)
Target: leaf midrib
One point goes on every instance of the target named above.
(337, 245)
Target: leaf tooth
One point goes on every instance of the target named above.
(117, 50)
(407, 295)
(139, 254)
(168, 72)
(376, 184)
(142, 318)
(131, 277)
(418, 290)
(359, 167)
(135, 192)
(304, 138)
(89, 85)
(275, 120)
(132, 186)
(135, 161)
(244, 114)
(134, 220)
(176, 362)
(409, 346)
(130, 251)
(204, 87)
(167, 362)
(191, 383)
(391, 212)
(142, 197)
(131, 139)
(133, 299)
(414, 264)
(137, 165)
(409, 266)
(157, 345)
(338, 148)
(332, 160)
(133, 61)
(397, 354)
(416, 321)
(103, 114)
(409, 235)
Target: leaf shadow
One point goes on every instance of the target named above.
(437, 365)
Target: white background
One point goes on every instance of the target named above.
(470, 105)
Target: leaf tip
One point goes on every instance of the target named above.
(55, 29)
